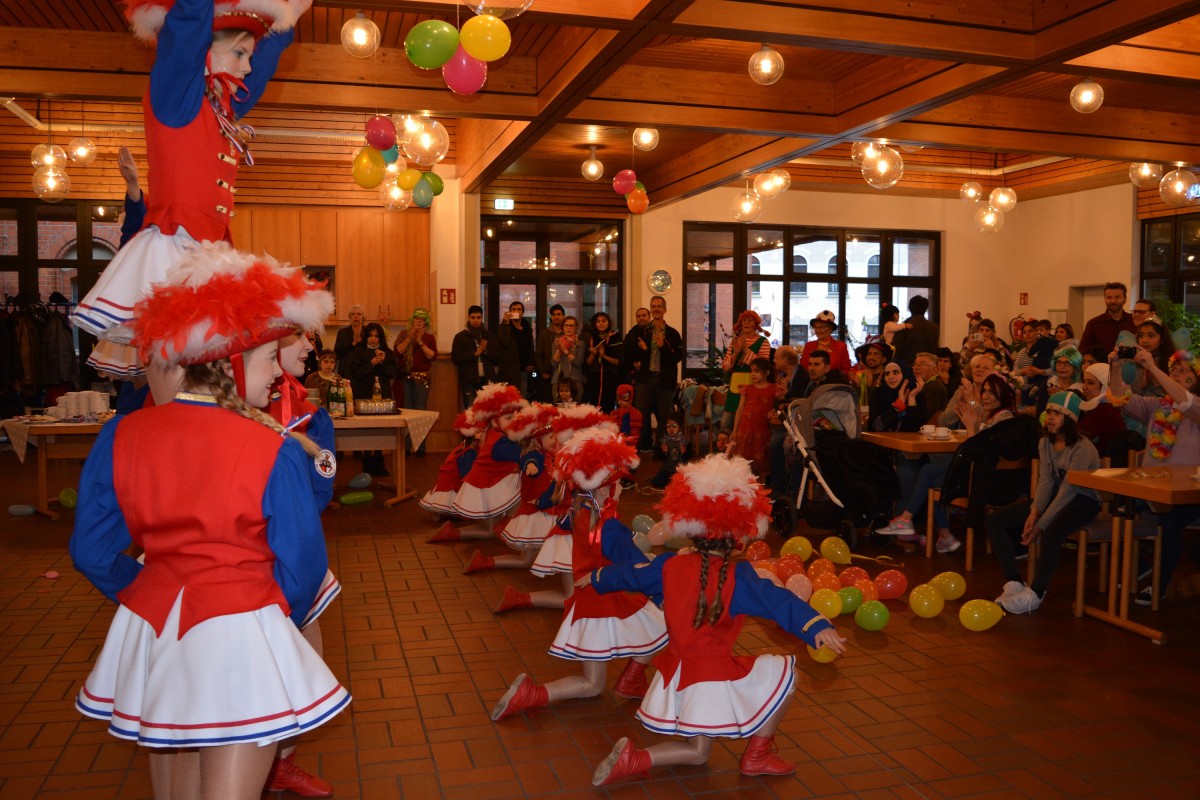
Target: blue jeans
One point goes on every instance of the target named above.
(930, 476)
(906, 473)
(1173, 522)
(778, 455)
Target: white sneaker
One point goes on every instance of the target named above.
(1024, 601)
(897, 527)
(947, 544)
(1011, 588)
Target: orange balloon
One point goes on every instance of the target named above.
(852, 575)
(764, 565)
(868, 588)
(826, 581)
(822, 566)
(758, 551)
(637, 202)
(788, 566)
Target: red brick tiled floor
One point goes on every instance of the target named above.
(1045, 706)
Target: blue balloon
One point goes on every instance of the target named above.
(391, 154)
(422, 194)
(21, 510)
(361, 481)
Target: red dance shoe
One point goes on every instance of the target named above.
(759, 760)
(632, 683)
(513, 599)
(285, 776)
(625, 761)
(521, 695)
(446, 533)
(479, 562)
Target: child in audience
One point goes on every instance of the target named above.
(751, 429)
(566, 394)
(628, 418)
(675, 451)
(324, 377)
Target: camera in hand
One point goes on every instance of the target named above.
(1126, 352)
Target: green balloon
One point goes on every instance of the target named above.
(435, 182)
(353, 498)
(852, 598)
(68, 498)
(872, 616)
(431, 43)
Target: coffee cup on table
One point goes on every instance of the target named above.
(941, 433)
(928, 429)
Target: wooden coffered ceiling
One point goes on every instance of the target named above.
(982, 85)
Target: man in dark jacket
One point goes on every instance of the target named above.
(514, 340)
(657, 349)
(476, 354)
(922, 337)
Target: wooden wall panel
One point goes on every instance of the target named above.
(276, 232)
(318, 236)
(1150, 205)
(241, 227)
(360, 258)
(405, 273)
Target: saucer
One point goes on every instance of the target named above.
(933, 438)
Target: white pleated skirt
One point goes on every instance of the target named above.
(528, 531)
(471, 502)
(555, 556)
(608, 638)
(330, 588)
(732, 709)
(232, 679)
(438, 502)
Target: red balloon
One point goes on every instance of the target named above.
(852, 575)
(822, 566)
(464, 74)
(788, 566)
(637, 202)
(381, 132)
(826, 580)
(758, 551)
(891, 583)
(869, 589)
(624, 181)
(764, 565)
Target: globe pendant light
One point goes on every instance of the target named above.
(970, 191)
(82, 150)
(393, 197)
(1003, 199)
(767, 185)
(766, 66)
(912, 148)
(1173, 188)
(747, 206)
(47, 155)
(360, 36)
(592, 169)
(885, 170)
(861, 152)
(500, 9)
(1145, 174)
(426, 143)
(783, 178)
(1087, 96)
(51, 183)
(645, 139)
(988, 219)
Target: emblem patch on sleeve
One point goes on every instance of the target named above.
(326, 464)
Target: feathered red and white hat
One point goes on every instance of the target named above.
(466, 425)
(594, 457)
(577, 418)
(218, 301)
(531, 419)
(257, 17)
(495, 399)
(716, 498)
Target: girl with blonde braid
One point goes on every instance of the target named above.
(204, 661)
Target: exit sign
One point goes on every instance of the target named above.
(503, 204)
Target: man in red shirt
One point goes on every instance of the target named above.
(1101, 331)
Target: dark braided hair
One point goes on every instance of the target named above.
(702, 602)
(707, 547)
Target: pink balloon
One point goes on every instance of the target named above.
(463, 73)
(381, 132)
(800, 586)
(624, 181)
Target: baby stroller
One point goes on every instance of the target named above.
(856, 478)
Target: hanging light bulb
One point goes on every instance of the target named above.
(360, 36)
(747, 206)
(885, 170)
(51, 183)
(395, 168)
(766, 66)
(393, 197)
(988, 220)
(645, 139)
(1145, 175)
(592, 169)
(970, 191)
(47, 155)
(82, 150)
(767, 185)
(1087, 96)
(912, 148)
(1003, 199)
(1174, 187)
(784, 178)
(426, 143)
(860, 152)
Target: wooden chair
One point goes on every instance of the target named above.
(962, 502)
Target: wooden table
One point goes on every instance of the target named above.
(377, 432)
(59, 441)
(1167, 485)
(918, 444)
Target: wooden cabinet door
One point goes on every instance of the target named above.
(359, 262)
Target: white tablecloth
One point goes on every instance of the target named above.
(420, 423)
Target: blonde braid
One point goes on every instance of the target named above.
(211, 376)
(718, 605)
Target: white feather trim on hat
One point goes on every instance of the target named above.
(146, 17)
(579, 417)
(714, 498)
(529, 419)
(594, 456)
(494, 400)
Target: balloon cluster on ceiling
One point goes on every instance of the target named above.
(383, 163)
(463, 55)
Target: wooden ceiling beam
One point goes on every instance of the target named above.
(702, 118)
(944, 86)
(1107, 24)
(720, 161)
(1137, 64)
(610, 13)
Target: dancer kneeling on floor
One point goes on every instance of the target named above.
(595, 629)
(701, 689)
(452, 472)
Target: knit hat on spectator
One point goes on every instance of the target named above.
(716, 498)
(1067, 402)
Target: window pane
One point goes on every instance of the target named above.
(8, 232)
(862, 312)
(56, 279)
(764, 250)
(1156, 257)
(517, 255)
(708, 250)
(1157, 289)
(709, 309)
(1191, 296)
(766, 298)
(582, 300)
(912, 256)
(10, 284)
(860, 249)
(523, 293)
(811, 252)
(902, 294)
(1189, 244)
(106, 231)
(57, 231)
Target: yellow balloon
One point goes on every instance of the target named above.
(926, 601)
(826, 602)
(951, 584)
(797, 546)
(408, 179)
(836, 550)
(369, 168)
(979, 615)
(822, 656)
(485, 37)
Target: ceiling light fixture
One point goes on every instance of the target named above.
(988, 220)
(885, 170)
(1145, 174)
(970, 191)
(360, 36)
(592, 169)
(766, 66)
(1087, 96)
(645, 139)
(1003, 199)
(1173, 188)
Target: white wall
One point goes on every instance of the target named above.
(1045, 245)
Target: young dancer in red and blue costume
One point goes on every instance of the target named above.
(452, 472)
(595, 629)
(202, 82)
(204, 662)
(701, 689)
